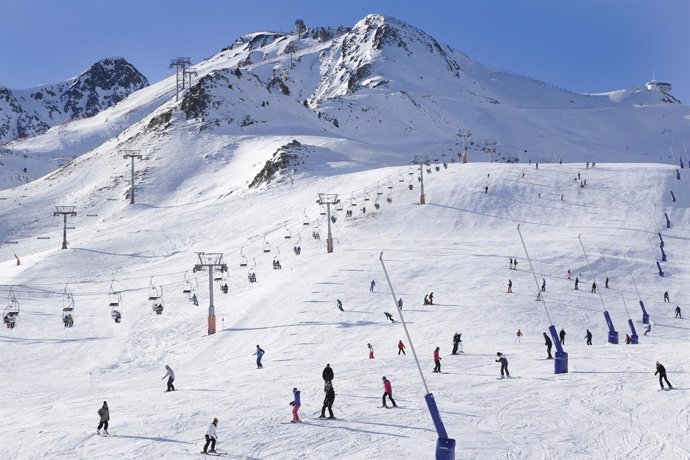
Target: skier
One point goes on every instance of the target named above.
(577, 281)
(259, 353)
(327, 374)
(339, 304)
(510, 286)
(104, 413)
(628, 339)
(328, 401)
(431, 298)
(549, 344)
(666, 298)
(437, 360)
(515, 264)
(561, 335)
(372, 286)
(426, 299)
(568, 273)
(171, 378)
(511, 263)
(211, 437)
(401, 348)
(594, 287)
(389, 316)
(648, 328)
(606, 283)
(543, 285)
(518, 335)
(678, 312)
(504, 364)
(371, 351)
(588, 336)
(400, 303)
(295, 403)
(387, 391)
(486, 189)
(661, 370)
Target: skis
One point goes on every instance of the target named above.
(388, 407)
(215, 454)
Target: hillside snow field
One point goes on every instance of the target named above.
(458, 245)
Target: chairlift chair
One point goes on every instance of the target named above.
(187, 288)
(267, 245)
(306, 218)
(378, 189)
(339, 206)
(243, 258)
(153, 291)
(445, 165)
(323, 210)
(438, 168)
(389, 198)
(401, 178)
(353, 201)
(366, 194)
(251, 274)
(157, 304)
(67, 308)
(115, 304)
(288, 233)
(410, 171)
(9, 315)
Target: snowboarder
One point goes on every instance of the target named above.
(371, 351)
(328, 401)
(518, 336)
(211, 437)
(431, 298)
(339, 304)
(594, 287)
(549, 344)
(678, 312)
(577, 282)
(606, 283)
(628, 339)
(400, 303)
(387, 391)
(259, 353)
(510, 286)
(327, 373)
(372, 286)
(171, 378)
(401, 348)
(543, 285)
(504, 364)
(588, 336)
(666, 298)
(104, 413)
(561, 335)
(456, 343)
(661, 370)
(426, 299)
(389, 316)
(648, 328)
(295, 403)
(437, 360)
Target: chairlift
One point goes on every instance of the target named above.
(377, 205)
(323, 210)
(366, 194)
(9, 315)
(315, 233)
(438, 168)
(224, 281)
(410, 171)
(306, 218)
(276, 261)
(428, 170)
(288, 233)
(445, 165)
(192, 295)
(339, 206)
(297, 249)
(251, 275)
(353, 201)
(115, 304)
(67, 308)
(153, 291)
(334, 219)
(267, 245)
(389, 198)
(378, 189)
(187, 288)
(401, 178)
(390, 183)
(243, 258)
(157, 304)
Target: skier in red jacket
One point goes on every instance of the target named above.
(388, 391)
(437, 360)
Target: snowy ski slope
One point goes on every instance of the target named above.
(457, 245)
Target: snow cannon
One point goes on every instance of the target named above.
(633, 336)
(663, 254)
(645, 315)
(560, 363)
(673, 197)
(445, 447)
(661, 272)
(613, 333)
(668, 222)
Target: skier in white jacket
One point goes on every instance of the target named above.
(211, 437)
(171, 378)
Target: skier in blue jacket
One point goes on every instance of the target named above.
(259, 354)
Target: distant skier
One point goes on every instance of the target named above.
(339, 304)
(387, 391)
(372, 286)
(561, 335)
(259, 353)
(389, 316)
(171, 378)
(648, 329)
(510, 286)
(426, 299)
(678, 312)
(431, 298)
(661, 370)
(328, 401)
(628, 339)
(577, 282)
(401, 348)
(588, 336)
(371, 351)
(327, 373)
(518, 336)
(511, 263)
(211, 437)
(543, 285)
(104, 413)
(437, 360)
(666, 298)
(594, 287)
(606, 283)
(549, 344)
(504, 364)
(400, 303)
(295, 403)
(568, 273)
(515, 264)
(457, 342)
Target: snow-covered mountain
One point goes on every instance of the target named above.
(29, 112)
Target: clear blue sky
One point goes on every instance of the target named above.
(582, 45)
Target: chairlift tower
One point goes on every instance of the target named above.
(188, 73)
(65, 211)
(132, 154)
(421, 161)
(465, 134)
(208, 261)
(490, 148)
(328, 199)
(179, 63)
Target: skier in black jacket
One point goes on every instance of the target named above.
(327, 373)
(561, 335)
(549, 344)
(328, 401)
(661, 370)
(504, 364)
